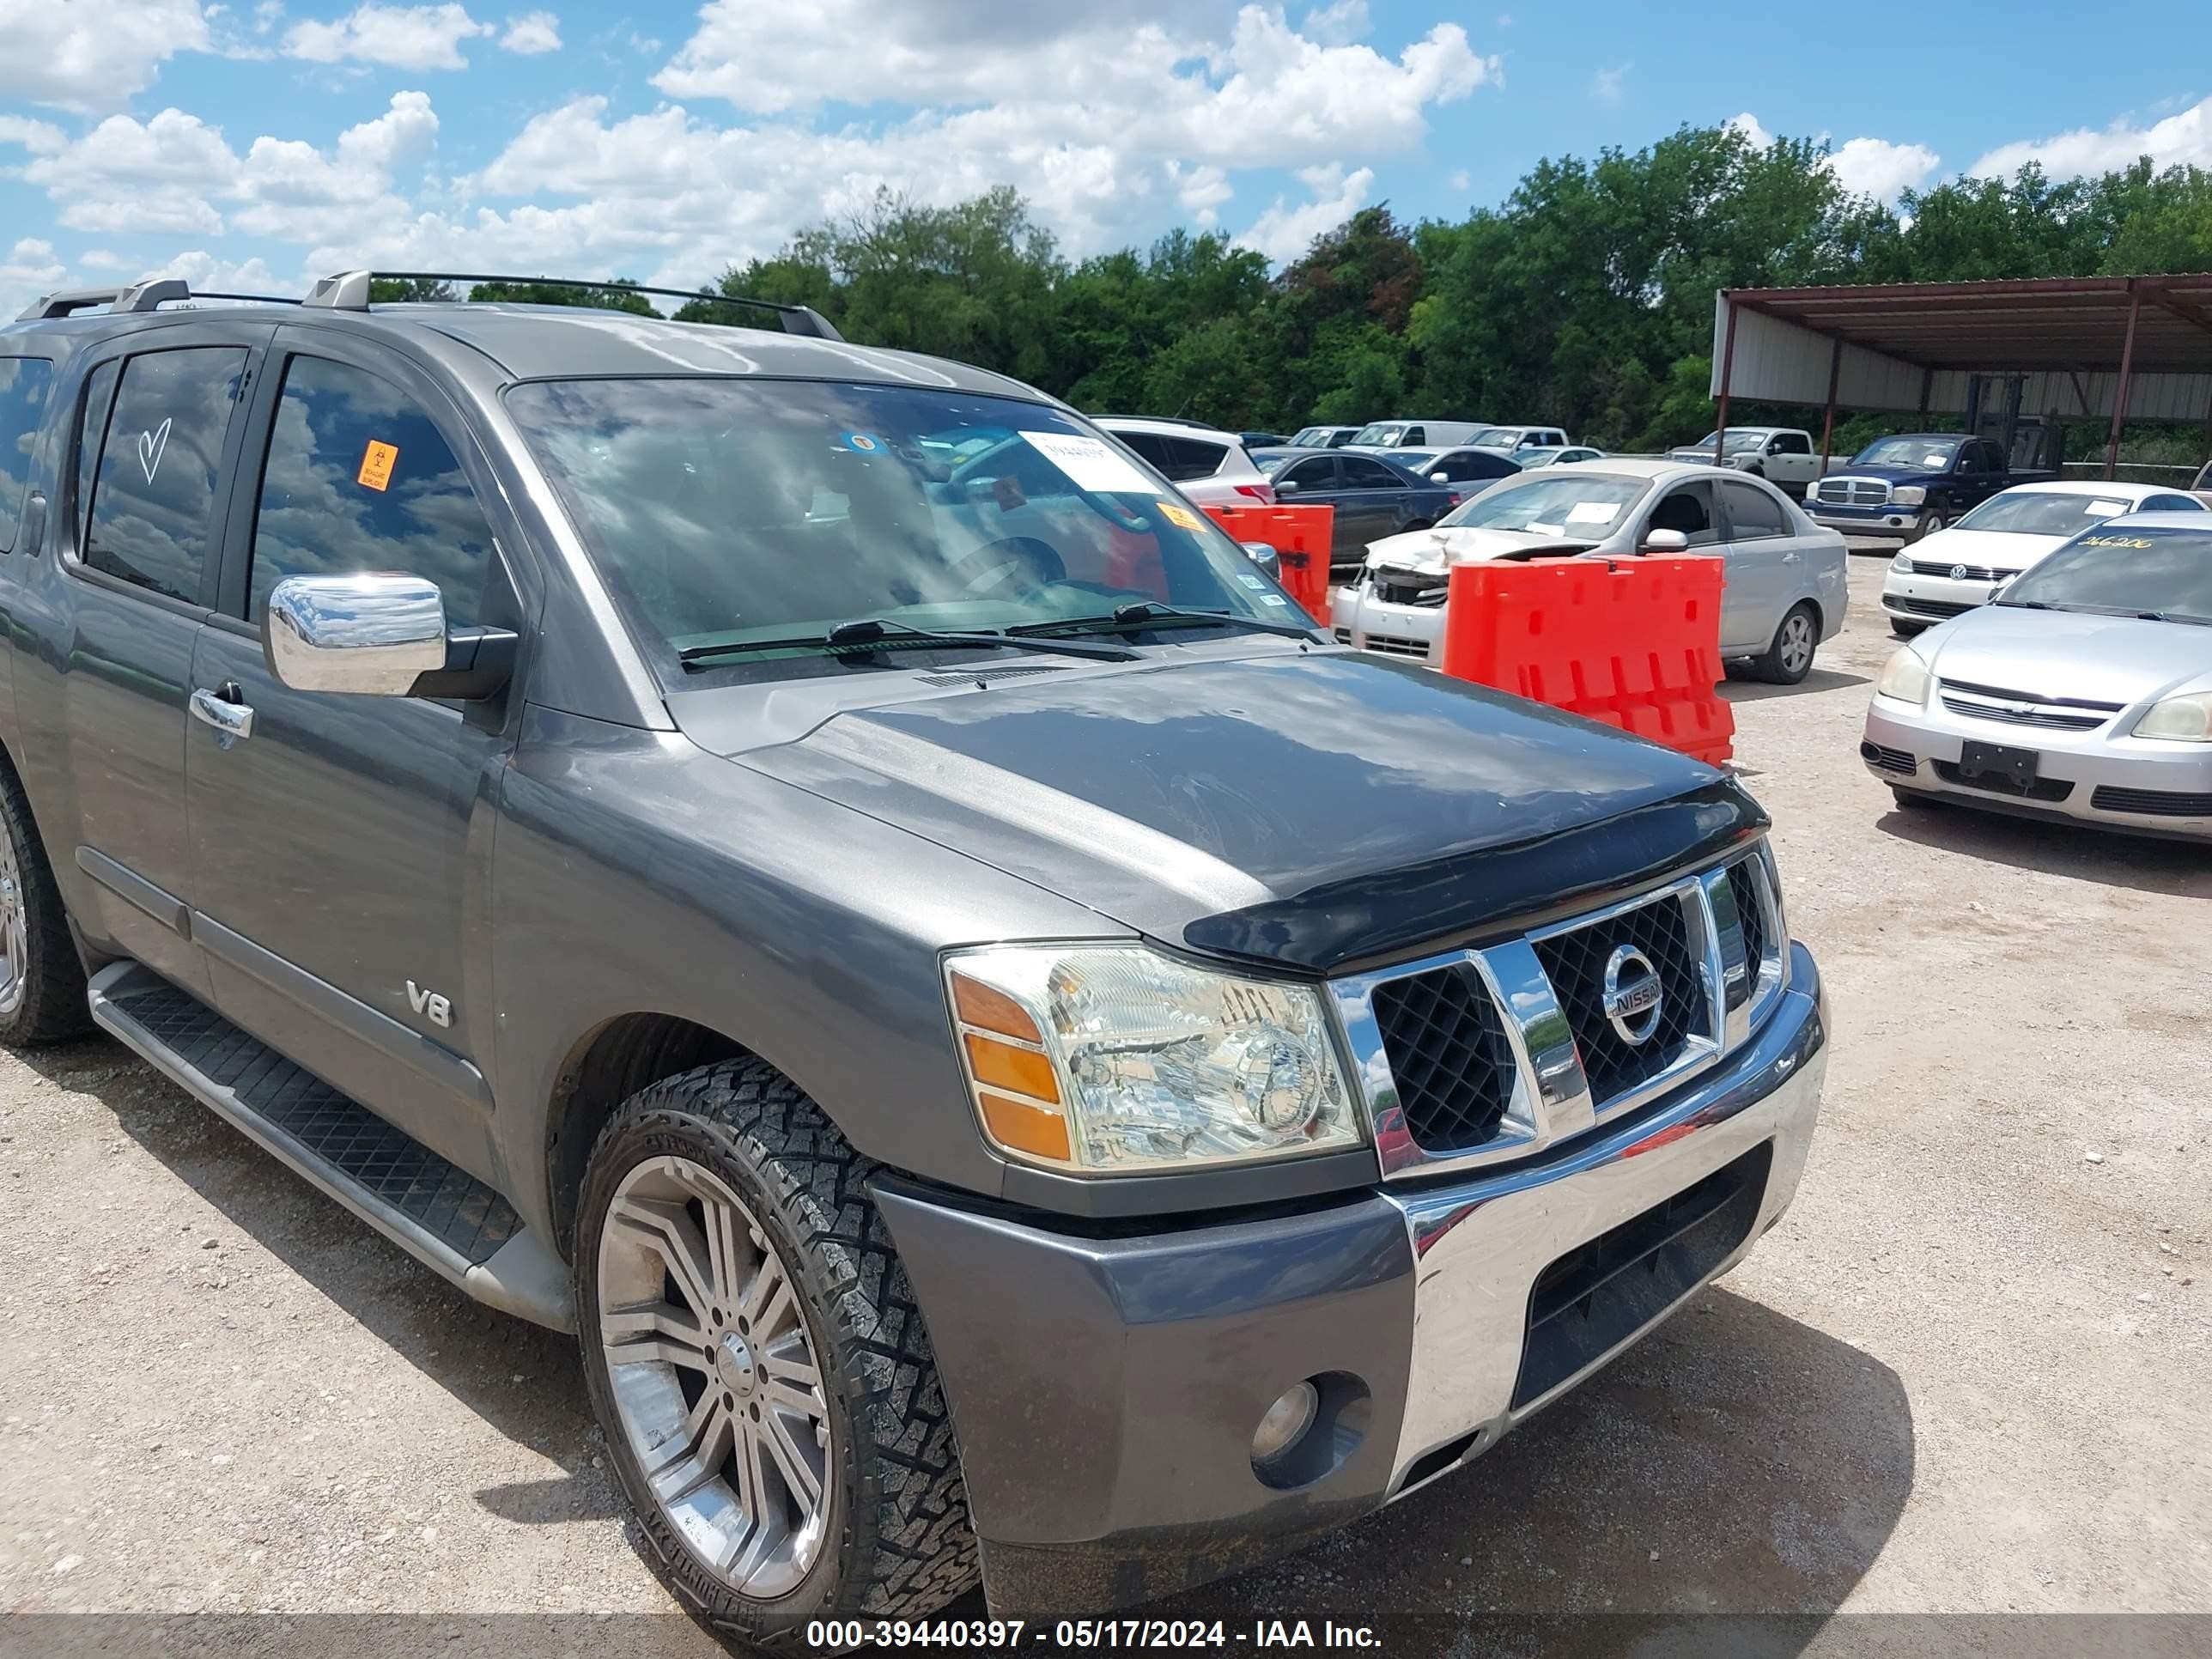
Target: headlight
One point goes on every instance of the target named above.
(1902, 562)
(1908, 495)
(1906, 678)
(2183, 720)
(1105, 1059)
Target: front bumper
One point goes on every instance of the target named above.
(1105, 1390)
(1415, 632)
(1901, 522)
(1930, 599)
(2104, 779)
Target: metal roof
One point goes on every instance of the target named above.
(2063, 323)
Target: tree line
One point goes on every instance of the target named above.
(1585, 299)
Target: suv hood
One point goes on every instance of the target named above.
(1313, 810)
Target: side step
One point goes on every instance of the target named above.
(431, 1208)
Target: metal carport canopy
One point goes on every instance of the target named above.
(2110, 347)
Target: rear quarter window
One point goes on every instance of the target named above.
(24, 384)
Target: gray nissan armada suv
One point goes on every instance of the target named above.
(816, 869)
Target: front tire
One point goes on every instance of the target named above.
(1788, 658)
(42, 994)
(1930, 525)
(1905, 630)
(755, 1357)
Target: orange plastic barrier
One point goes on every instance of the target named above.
(1633, 642)
(1302, 538)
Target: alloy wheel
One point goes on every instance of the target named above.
(1796, 643)
(14, 928)
(714, 1375)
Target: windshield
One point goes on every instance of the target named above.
(1741, 440)
(1577, 503)
(723, 511)
(1922, 454)
(1311, 437)
(1382, 432)
(2041, 513)
(2138, 570)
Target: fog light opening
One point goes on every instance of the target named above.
(1310, 1430)
(1285, 1423)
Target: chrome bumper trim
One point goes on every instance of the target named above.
(1479, 1245)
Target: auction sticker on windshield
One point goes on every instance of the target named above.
(1592, 511)
(1181, 517)
(1089, 463)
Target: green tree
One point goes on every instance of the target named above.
(612, 296)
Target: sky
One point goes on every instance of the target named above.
(255, 145)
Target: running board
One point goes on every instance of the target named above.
(433, 1209)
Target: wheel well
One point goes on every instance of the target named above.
(603, 1070)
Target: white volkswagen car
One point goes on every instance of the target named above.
(1954, 570)
(2083, 691)
(1784, 586)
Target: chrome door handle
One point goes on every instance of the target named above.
(232, 720)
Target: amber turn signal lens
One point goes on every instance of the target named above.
(980, 1005)
(1002, 1064)
(1021, 1128)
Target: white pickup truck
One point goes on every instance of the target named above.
(1782, 455)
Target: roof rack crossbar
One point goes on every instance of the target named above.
(349, 290)
(65, 302)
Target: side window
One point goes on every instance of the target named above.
(1753, 513)
(2172, 504)
(1360, 473)
(23, 385)
(1149, 445)
(99, 396)
(1795, 443)
(153, 495)
(1688, 508)
(1414, 434)
(1192, 458)
(1969, 458)
(358, 479)
(1314, 473)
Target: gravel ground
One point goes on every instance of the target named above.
(1967, 1374)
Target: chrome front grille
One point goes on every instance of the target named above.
(1852, 492)
(1479, 1056)
(2009, 708)
(1961, 573)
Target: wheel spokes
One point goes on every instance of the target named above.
(668, 1228)
(662, 1331)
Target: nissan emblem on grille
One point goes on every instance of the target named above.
(1633, 995)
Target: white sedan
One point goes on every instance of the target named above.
(1954, 570)
(1784, 586)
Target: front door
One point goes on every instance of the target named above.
(1763, 566)
(156, 432)
(340, 848)
(1369, 497)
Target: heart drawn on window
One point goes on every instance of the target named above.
(150, 445)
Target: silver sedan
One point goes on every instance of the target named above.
(1783, 588)
(2084, 691)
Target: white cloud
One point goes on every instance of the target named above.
(1200, 191)
(1336, 25)
(2184, 138)
(1461, 178)
(1606, 84)
(100, 259)
(1284, 231)
(1877, 168)
(29, 269)
(39, 138)
(93, 56)
(1864, 167)
(397, 37)
(531, 34)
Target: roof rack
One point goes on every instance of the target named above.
(349, 290)
(138, 296)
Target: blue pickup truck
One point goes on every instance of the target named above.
(1912, 485)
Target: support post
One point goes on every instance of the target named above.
(1728, 368)
(1926, 387)
(1828, 421)
(2120, 392)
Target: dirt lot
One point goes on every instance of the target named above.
(1969, 1373)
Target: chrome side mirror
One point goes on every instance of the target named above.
(366, 635)
(1265, 557)
(1665, 541)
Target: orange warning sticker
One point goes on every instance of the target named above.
(1181, 517)
(376, 465)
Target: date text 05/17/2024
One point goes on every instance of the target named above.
(1007, 1635)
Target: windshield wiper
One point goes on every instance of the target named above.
(1148, 615)
(2174, 616)
(870, 633)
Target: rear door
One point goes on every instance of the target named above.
(339, 850)
(1764, 565)
(1371, 500)
(156, 431)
